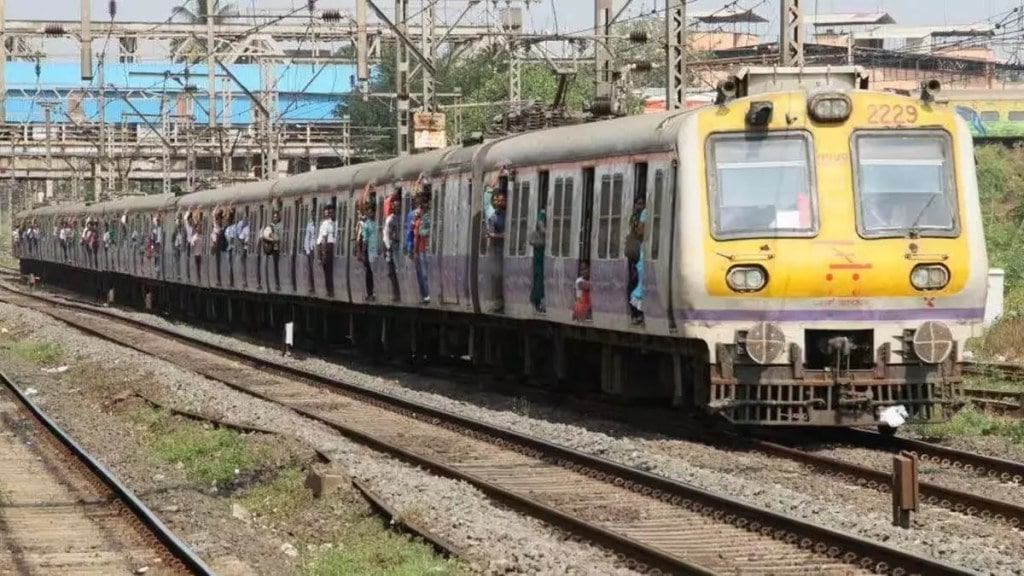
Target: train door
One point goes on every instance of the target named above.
(448, 262)
(346, 217)
(436, 248)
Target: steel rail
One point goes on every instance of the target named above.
(799, 533)
(175, 547)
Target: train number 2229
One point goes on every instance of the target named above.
(886, 114)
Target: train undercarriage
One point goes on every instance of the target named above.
(629, 368)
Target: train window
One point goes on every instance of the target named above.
(609, 216)
(343, 227)
(761, 187)
(990, 116)
(1016, 116)
(520, 219)
(904, 184)
(438, 218)
(566, 228)
(655, 211)
(556, 218)
(615, 217)
(605, 199)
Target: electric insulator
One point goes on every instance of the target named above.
(639, 36)
(39, 69)
(311, 5)
(332, 15)
(643, 66)
(112, 8)
(54, 30)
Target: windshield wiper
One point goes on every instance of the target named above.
(915, 231)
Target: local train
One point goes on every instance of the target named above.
(803, 251)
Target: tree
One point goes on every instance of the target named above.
(199, 12)
(482, 77)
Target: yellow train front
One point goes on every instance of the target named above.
(843, 262)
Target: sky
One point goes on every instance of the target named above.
(543, 14)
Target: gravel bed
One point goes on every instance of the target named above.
(997, 446)
(777, 484)
(944, 475)
(497, 540)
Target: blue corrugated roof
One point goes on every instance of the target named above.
(305, 91)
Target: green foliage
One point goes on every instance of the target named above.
(970, 422)
(368, 551)
(208, 455)
(1001, 191)
(36, 352)
(483, 76)
(282, 499)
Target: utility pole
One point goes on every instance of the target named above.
(101, 160)
(48, 190)
(791, 38)
(211, 85)
(3, 63)
(402, 79)
(427, 18)
(513, 16)
(86, 40)
(362, 48)
(602, 54)
(675, 40)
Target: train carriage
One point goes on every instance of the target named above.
(804, 251)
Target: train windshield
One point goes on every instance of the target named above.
(761, 186)
(904, 185)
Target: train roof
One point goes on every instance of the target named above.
(629, 135)
(638, 134)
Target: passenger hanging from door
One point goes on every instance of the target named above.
(309, 249)
(635, 257)
(242, 248)
(230, 236)
(366, 240)
(156, 234)
(392, 241)
(178, 241)
(196, 243)
(581, 311)
(217, 240)
(421, 246)
(496, 237)
(538, 239)
(271, 239)
(325, 242)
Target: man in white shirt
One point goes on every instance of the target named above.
(325, 242)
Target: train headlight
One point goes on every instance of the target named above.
(746, 278)
(830, 107)
(933, 342)
(929, 277)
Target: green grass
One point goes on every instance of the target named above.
(36, 352)
(366, 549)
(281, 499)
(209, 455)
(971, 422)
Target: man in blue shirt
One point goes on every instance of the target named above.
(496, 248)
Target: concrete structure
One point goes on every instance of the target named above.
(63, 136)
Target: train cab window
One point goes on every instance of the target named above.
(990, 116)
(904, 184)
(761, 186)
(520, 215)
(654, 205)
(1016, 116)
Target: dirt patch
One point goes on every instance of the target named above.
(238, 500)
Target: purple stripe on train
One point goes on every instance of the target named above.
(838, 315)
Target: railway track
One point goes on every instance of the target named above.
(62, 511)
(653, 523)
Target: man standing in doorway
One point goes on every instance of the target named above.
(325, 242)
